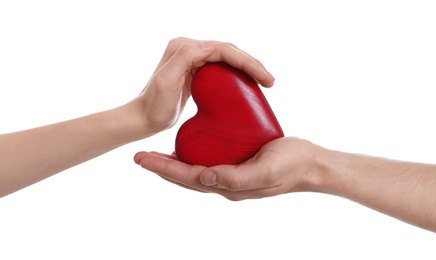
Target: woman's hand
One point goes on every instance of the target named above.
(56, 147)
(165, 95)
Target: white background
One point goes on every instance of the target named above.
(356, 76)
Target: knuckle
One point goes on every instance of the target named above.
(184, 51)
(258, 63)
(233, 197)
(235, 183)
(229, 44)
(271, 177)
(159, 83)
(269, 180)
(174, 44)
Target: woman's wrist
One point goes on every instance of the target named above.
(129, 124)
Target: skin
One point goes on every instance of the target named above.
(404, 190)
(29, 156)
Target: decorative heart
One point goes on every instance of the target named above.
(233, 121)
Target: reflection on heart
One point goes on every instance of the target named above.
(233, 121)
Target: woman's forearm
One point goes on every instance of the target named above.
(32, 155)
(29, 156)
(403, 190)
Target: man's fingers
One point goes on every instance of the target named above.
(244, 177)
(171, 169)
(182, 184)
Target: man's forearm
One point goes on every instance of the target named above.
(404, 190)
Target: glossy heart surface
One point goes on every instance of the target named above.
(233, 121)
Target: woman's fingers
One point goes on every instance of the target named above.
(191, 54)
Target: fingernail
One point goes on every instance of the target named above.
(138, 157)
(271, 75)
(267, 76)
(209, 179)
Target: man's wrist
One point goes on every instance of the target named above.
(328, 166)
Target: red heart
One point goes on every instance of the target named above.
(234, 119)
